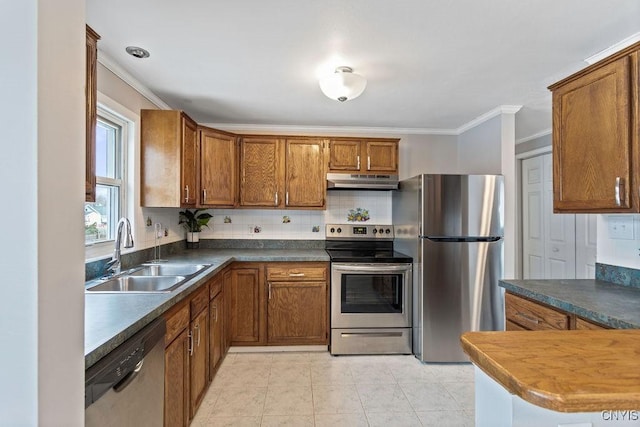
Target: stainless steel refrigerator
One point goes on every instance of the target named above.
(452, 226)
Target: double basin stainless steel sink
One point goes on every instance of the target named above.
(157, 278)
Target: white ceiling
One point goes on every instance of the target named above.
(431, 65)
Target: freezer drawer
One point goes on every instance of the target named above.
(459, 293)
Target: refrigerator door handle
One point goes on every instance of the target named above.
(464, 239)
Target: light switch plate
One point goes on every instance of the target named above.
(620, 227)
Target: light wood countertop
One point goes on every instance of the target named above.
(565, 371)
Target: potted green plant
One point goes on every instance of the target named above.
(193, 221)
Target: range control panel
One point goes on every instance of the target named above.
(359, 231)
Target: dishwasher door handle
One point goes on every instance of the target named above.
(128, 378)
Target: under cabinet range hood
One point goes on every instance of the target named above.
(345, 181)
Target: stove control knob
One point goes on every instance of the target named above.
(381, 231)
(388, 231)
(375, 231)
(332, 230)
(339, 230)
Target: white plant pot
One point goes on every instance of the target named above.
(193, 237)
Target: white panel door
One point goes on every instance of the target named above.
(560, 237)
(549, 240)
(586, 237)
(532, 218)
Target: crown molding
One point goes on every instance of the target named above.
(534, 136)
(359, 130)
(327, 130)
(613, 49)
(503, 109)
(136, 84)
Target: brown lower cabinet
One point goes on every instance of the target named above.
(278, 303)
(199, 365)
(245, 304)
(524, 314)
(216, 324)
(187, 355)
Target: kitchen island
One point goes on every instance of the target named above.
(547, 378)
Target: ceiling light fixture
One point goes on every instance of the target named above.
(343, 84)
(138, 52)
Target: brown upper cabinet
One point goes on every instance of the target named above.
(169, 159)
(305, 183)
(282, 172)
(91, 94)
(186, 165)
(261, 172)
(596, 128)
(218, 162)
(356, 155)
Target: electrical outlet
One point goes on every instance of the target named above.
(620, 227)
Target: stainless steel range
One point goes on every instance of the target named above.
(370, 291)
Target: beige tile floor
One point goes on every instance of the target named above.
(317, 389)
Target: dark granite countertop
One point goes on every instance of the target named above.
(110, 319)
(596, 300)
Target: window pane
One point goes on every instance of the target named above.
(101, 217)
(107, 150)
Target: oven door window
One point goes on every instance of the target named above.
(371, 293)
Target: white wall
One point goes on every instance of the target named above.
(480, 148)
(42, 175)
(619, 252)
(428, 154)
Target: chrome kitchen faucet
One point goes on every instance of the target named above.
(113, 266)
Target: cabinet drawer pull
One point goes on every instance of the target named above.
(276, 199)
(296, 274)
(368, 163)
(527, 317)
(198, 329)
(190, 343)
(358, 167)
(269, 290)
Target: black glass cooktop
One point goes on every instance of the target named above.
(368, 256)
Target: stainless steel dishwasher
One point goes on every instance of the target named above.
(126, 387)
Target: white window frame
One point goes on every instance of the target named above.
(113, 112)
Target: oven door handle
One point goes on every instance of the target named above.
(375, 268)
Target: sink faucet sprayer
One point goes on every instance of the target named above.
(113, 266)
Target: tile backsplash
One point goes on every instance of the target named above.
(298, 224)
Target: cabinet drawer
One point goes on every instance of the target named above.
(511, 326)
(199, 301)
(177, 321)
(215, 286)
(532, 315)
(286, 273)
(585, 324)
